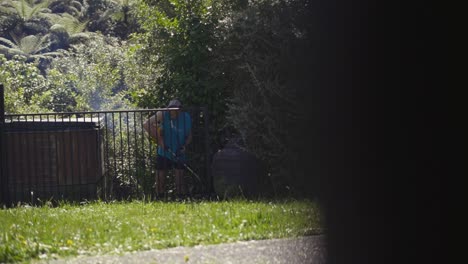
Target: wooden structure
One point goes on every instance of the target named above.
(52, 160)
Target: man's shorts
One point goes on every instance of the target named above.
(163, 163)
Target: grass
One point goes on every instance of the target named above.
(28, 233)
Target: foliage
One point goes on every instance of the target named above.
(95, 71)
(266, 58)
(31, 47)
(25, 88)
(70, 23)
(62, 23)
(30, 17)
(88, 77)
(179, 47)
(25, 10)
(114, 228)
(72, 7)
(67, 30)
(122, 17)
(95, 10)
(62, 91)
(112, 17)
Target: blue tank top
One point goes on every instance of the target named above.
(175, 133)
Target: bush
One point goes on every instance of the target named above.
(94, 73)
(26, 90)
(267, 62)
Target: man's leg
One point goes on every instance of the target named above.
(181, 187)
(161, 172)
(160, 182)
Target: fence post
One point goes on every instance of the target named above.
(4, 196)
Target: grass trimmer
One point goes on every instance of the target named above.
(184, 164)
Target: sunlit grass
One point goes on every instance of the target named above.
(114, 228)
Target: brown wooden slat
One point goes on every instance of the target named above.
(52, 158)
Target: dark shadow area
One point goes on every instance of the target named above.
(378, 122)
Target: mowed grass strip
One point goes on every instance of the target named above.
(114, 228)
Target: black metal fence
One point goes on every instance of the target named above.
(92, 155)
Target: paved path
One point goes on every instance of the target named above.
(309, 249)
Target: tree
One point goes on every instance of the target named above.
(179, 44)
(71, 7)
(122, 15)
(94, 12)
(67, 30)
(31, 47)
(30, 17)
(267, 56)
(94, 71)
(26, 10)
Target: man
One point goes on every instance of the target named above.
(172, 131)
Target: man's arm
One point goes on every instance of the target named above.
(159, 129)
(151, 127)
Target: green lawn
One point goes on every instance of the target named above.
(114, 228)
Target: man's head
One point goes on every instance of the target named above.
(174, 103)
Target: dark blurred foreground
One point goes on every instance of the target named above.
(377, 146)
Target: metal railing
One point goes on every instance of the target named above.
(92, 155)
(4, 193)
